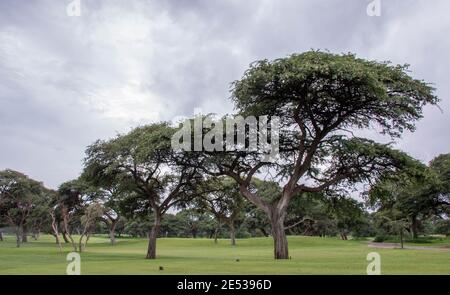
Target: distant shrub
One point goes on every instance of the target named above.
(380, 238)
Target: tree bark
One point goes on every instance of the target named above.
(414, 227)
(64, 235)
(80, 243)
(66, 232)
(112, 231)
(1, 236)
(18, 236)
(55, 230)
(278, 233)
(153, 235)
(344, 236)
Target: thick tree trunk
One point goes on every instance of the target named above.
(1, 236)
(279, 235)
(276, 213)
(153, 235)
(112, 232)
(232, 233)
(414, 227)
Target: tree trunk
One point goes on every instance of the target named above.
(278, 233)
(232, 233)
(216, 234)
(18, 236)
(1, 236)
(414, 227)
(401, 238)
(64, 235)
(80, 243)
(112, 232)
(151, 251)
(24, 235)
(55, 230)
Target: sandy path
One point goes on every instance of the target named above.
(397, 246)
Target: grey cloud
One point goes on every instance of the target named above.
(67, 81)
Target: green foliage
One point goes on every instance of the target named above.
(321, 87)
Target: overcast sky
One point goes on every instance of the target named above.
(66, 81)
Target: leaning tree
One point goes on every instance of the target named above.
(70, 202)
(320, 99)
(143, 163)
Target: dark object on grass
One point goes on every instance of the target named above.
(161, 268)
(237, 260)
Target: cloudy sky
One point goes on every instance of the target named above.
(66, 81)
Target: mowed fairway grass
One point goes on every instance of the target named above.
(310, 255)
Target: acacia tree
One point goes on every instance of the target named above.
(143, 163)
(225, 203)
(320, 98)
(111, 217)
(21, 198)
(70, 202)
(416, 191)
(347, 214)
(394, 221)
(93, 212)
(109, 196)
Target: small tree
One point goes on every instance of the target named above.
(415, 190)
(225, 203)
(395, 222)
(347, 214)
(71, 200)
(92, 214)
(20, 198)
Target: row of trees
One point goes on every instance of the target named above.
(224, 213)
(320, 99)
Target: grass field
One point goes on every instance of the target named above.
(310, 255)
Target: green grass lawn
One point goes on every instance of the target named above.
(310, 255)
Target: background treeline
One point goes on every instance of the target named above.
(413, 205)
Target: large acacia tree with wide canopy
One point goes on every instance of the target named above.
(321, 99)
